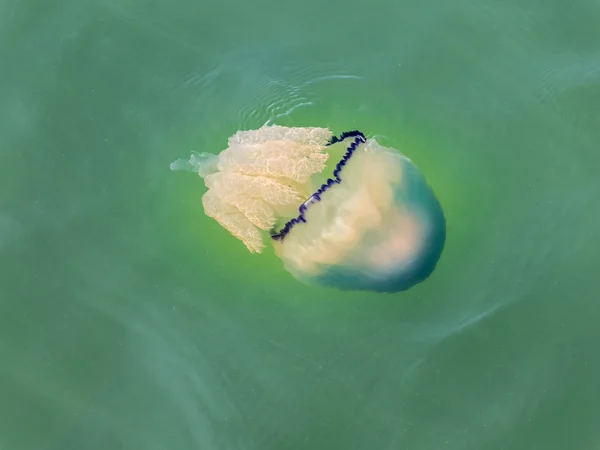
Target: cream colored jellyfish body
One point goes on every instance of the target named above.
(374, 224)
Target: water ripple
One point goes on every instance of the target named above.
(275, 98)
(253, 90)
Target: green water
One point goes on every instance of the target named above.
(129, 320)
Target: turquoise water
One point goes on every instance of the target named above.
(129, 320)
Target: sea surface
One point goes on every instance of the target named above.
(131, 321)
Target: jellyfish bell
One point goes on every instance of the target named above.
(373, 224)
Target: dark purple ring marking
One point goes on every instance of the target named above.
(359, 138)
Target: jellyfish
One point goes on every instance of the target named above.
(341, 211)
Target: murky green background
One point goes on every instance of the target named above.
(129, 320)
